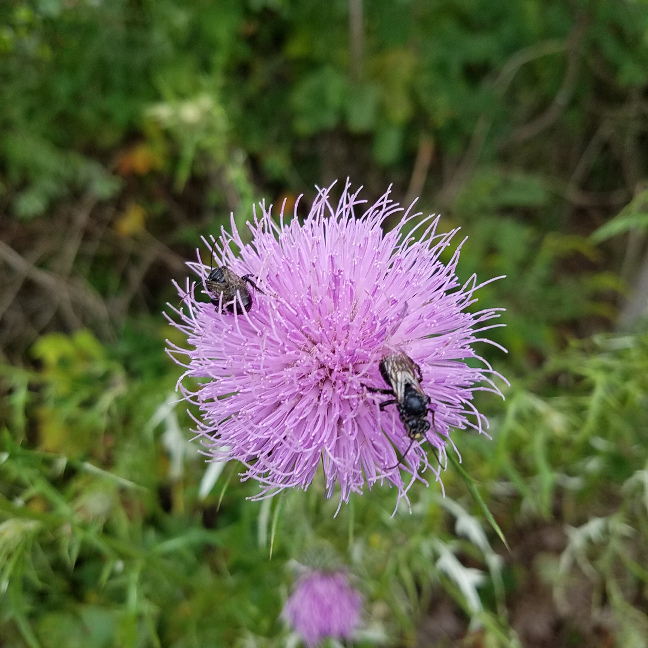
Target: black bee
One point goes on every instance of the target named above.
(404, 378)
(221, 281)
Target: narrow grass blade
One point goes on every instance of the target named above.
(472, 488)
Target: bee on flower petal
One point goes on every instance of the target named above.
(404, 378)
(227, 288)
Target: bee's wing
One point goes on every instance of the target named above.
(401, 371)
(417, 376)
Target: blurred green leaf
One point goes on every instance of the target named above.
(362, 108)
(620, 225)
(318, 101)
(388, 144)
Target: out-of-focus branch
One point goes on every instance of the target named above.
(10, 292)
(73, 241)
(466, 165)
(524, 56)
(636, 305)
(465, 168)
(588, 156)
(616, 198)
(356, 40)
(563, 96)
(421, 167)
(70, 291)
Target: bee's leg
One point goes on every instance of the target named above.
(436, 454)
(400, 461)
(384, 404)
(377, 390)
(248, 278)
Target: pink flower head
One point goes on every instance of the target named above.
(287, 385)
(324, 604)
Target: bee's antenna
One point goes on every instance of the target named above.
(400, 461)
(211, 262)
(436, 455)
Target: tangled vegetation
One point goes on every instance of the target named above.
(129, 129)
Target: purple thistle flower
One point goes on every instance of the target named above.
(284, 384)
(324, 604)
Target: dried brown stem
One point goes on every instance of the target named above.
(421, 167)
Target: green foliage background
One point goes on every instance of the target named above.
(129, 128)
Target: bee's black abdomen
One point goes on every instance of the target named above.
(414, 403)
(235, 306)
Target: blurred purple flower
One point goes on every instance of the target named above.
(283, 384)
(324, 604)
